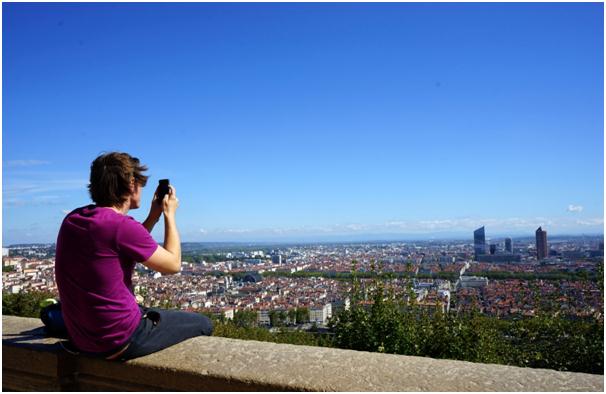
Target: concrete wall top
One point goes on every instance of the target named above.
(222, 364)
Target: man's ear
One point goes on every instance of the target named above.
(132, 186)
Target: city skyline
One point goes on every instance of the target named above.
(306, 122)
(501, 237)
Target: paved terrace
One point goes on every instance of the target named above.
(31, 362)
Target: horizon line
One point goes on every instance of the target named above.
(344, 241)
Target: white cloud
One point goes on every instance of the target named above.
(513, 225)
(34, 201)
(395, 223)
(14, 202)
(356, 227)
(46, 198)
(235, 231)
(575, 208)
(24, 163)
(591, 222)
(20, 188)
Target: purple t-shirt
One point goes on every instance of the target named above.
(97, 249)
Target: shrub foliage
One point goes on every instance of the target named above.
(26, 304)
(380, 320)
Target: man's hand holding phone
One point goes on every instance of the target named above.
(167, 258)
(161, 190)
(157, 204)
(170, 202)
(166, 198)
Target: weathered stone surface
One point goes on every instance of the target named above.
(221, 364)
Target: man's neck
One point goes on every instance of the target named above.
(122, 209)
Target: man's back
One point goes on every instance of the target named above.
(96, 253)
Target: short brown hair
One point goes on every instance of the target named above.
(111, 175)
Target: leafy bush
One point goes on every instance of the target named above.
(25, 304)
(388, 324)
(231, 329)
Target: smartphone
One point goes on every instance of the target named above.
(162, 189)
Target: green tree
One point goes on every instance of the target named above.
(245, 318)
(282, 318)
(292, 316)
(600, 276)
(166, 304)
(25, 304)
(302, 315)
(274, 319)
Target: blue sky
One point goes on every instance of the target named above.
(310, 121)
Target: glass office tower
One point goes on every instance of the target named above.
(508, 246)
(479, 242)
(542, 248)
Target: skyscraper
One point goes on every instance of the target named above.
(479, 242)
(542, 249)
(276, 259)
(508, 246)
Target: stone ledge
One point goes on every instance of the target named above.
(34, 363)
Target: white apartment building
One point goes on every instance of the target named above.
(263, 317)
(16, 289)
(445, 295)
(320, 314)
(229, 313)
(472, 281)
